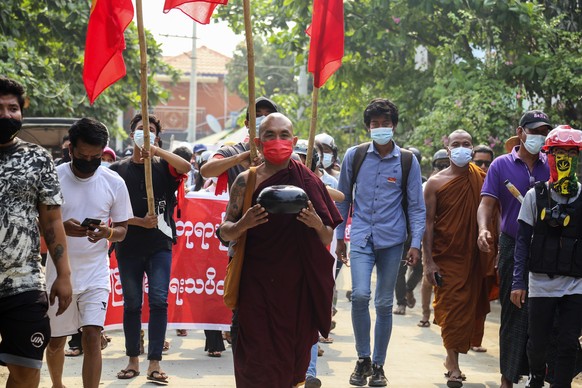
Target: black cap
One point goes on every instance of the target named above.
(533, 119)
(265, 102)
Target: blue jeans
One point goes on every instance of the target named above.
(311, 369)
(387, 262)
(131, 269)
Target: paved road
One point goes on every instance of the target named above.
(415, 357)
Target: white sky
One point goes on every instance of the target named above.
(216, 36)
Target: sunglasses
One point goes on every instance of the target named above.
(480, 163)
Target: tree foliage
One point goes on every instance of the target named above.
(42, 46)
(487, 62)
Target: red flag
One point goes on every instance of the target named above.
(104, 45)
(326, 48)
(199, 10)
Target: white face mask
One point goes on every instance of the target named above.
(327, 160)
(460, 156)
(381, 135)
(138, 138)
(258, 121)
(534, 143)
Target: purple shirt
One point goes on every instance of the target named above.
(511, 167)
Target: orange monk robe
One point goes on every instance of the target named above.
(456, 253)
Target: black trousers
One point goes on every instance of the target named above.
(568, 313)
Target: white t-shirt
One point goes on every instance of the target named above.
(103, 196)
(328, 180)
(541, 285)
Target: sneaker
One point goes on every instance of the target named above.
(378, 379)
(361, 373)
(535, 381)
(312, 382)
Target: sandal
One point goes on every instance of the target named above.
(104, 341)
(320, 351)
(478, 349)
(400, 310)
(327, 340)
(73, 352)
(448, 374)
(422, 323)
(214, 354)
(126, 374)
(454, 382)
(166, 346)
(181, 332)
(158, 377)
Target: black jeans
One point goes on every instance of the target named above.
(541, 319)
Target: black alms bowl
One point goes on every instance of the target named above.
(285, 199)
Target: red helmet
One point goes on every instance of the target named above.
(563, 136)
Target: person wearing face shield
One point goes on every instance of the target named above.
(451, 258)
(548, 262)
(90, 190)
(523, 167)
(30, 202)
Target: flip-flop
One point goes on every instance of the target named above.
(423, 323)
(158, 377)
(448, 375)
(181, 332)
(126, 374)
(73, 352)
(215, 354)
(327, 340)
(478, 349)
(455, 382)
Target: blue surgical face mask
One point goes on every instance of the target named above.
(461, 156)
(381, 135)
(534, 143)
(327, 160)
(138, 138)
(105, 164)
(258, 121)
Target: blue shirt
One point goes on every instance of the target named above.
(378, 215)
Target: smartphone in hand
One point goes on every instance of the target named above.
(88, 221)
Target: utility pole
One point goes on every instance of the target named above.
(192, 111)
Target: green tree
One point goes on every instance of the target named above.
(487, 61)
(42, 45)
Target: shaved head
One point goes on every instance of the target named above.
(275, 121)
(460, 132)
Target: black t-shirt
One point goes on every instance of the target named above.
(141, 241)
(228, 151)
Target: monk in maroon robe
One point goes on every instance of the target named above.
(287, 280)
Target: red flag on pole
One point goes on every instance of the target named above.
(104, 45)
(326, 48)
(199, 10)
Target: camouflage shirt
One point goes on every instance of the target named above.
(27, 179)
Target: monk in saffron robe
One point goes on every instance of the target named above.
(450, 250)
(286, 286)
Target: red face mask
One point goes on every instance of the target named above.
(277, 151)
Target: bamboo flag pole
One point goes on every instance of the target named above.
(144, 106)
(251, 77)
(312, 127)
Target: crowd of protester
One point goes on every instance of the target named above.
(463, 234)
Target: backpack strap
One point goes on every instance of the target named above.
(359, 157)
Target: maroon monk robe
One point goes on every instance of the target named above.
(285, 290)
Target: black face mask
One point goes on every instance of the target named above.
(87, 166)
(8, 129)
(66, 155)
